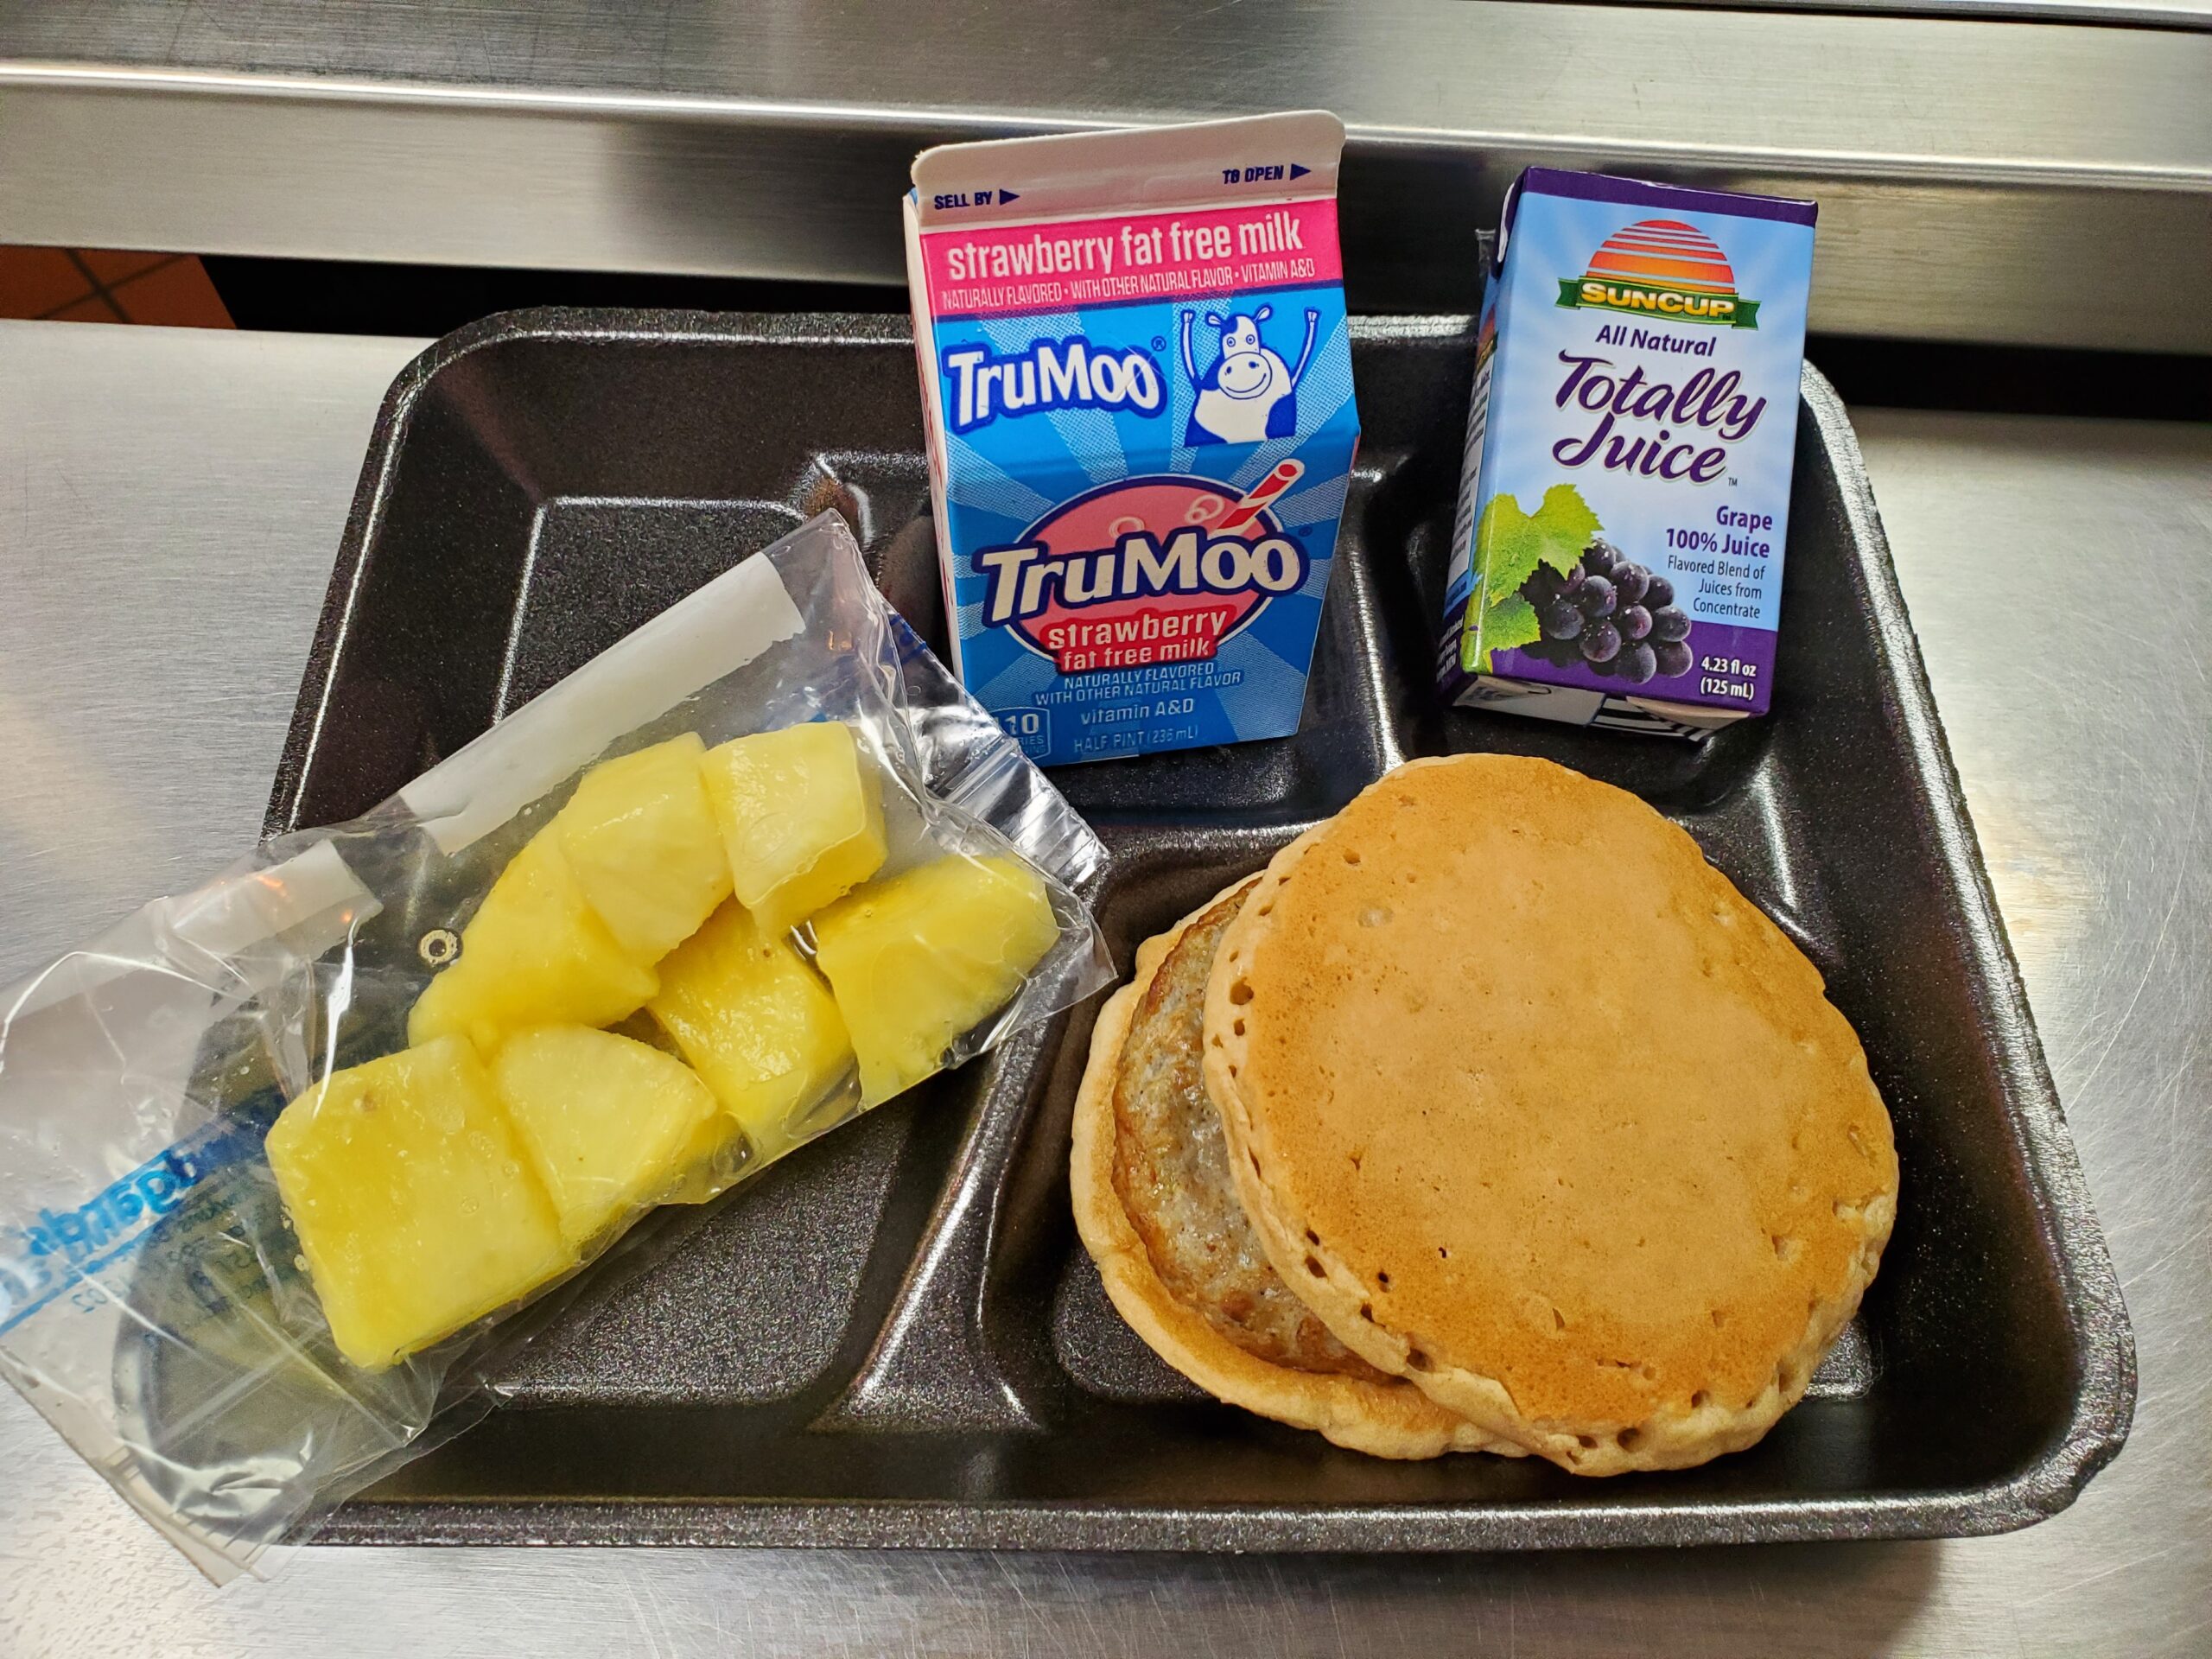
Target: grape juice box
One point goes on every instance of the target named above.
(1136, 375)
(1616, 558)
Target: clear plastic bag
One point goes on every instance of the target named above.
(155, 1301)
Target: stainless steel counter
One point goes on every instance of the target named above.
(1981, 177)
(169, 503)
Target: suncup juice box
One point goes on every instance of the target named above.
(1616, 558)
(1137, 378)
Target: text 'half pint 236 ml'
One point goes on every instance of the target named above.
(1616, 558)
(1136, 374)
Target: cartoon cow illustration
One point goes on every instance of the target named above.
(1248, 393)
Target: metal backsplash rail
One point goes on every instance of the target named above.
(1980, 178)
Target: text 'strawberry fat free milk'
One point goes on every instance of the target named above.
(1617, 559)
(1137, 378)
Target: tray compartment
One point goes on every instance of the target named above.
(895, 1338)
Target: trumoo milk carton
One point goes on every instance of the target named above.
(1616, 558)
(1137, 379)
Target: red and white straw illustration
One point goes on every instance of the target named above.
(1285, 473)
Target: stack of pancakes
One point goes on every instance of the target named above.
(1489, 1116)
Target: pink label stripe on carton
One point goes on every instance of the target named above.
(1178, 254)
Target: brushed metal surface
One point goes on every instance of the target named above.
(168, 505)
(113, 605)
(2023, 181)
(2167, 14)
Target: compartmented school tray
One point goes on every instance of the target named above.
(894, 1337)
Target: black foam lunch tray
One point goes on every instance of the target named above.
(894, 1338)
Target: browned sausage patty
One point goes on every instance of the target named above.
(1171, 1172)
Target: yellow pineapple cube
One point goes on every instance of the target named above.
(610, 1123)
(645, 846)
(718, 1152)
(919, 959)
(536, 953)
(755, 1023)
(415, 1204)
(801, 813)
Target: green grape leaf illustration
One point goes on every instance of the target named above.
(1566, 524)
(1506, 548)
(1510, 543)
(1511, 622)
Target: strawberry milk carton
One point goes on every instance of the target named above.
(1137, 380)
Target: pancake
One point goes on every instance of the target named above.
(1532, 1106)
(1158, 1212)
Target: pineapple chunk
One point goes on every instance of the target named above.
(414, 1201)
(718, 1152)
(610, 1122)
(916, 961)
(534, 954)
(802, 815)
(754, 1022)
(644, 847)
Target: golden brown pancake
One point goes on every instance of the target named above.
(1532, 1106)
(1159, 1215)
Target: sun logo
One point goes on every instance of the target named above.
(1661, 267)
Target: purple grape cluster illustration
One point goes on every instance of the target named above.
(1612, 615)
